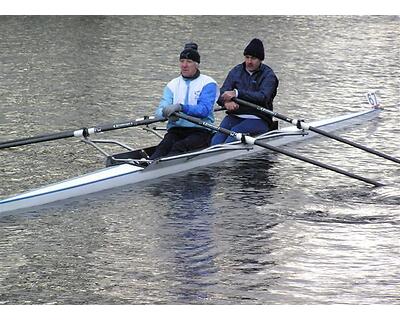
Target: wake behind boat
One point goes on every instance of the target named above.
(131, 167)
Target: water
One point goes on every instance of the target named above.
(268, 230)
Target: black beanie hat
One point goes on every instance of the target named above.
(190, 52)
(255, 48)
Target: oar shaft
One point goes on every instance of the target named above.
(354, 144)
(126, 124)
(303, 125)
(37, 139)
(264, 110)
(84, 132)
(251, 140)
(318, 163)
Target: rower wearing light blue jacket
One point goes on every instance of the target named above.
(193, 94)
(196, 96)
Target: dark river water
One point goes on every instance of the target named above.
(266, 230)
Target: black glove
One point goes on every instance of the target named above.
(169, 110)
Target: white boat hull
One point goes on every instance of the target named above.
(124, 174)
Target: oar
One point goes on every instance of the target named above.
(302, 125)
(251, 140)
(84, 132)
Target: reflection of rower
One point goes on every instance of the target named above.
(186, 233)
(193, 94)
(252, 81)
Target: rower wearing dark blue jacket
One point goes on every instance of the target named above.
(252, 81)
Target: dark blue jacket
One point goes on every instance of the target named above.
(259, 88)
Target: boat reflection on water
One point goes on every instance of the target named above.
(247, 180)
(188, 232)
(205, 237)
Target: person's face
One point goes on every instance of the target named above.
(188, 67)
(252, 63)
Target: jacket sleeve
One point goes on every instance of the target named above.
(166, 100)
(228, 85)
(205, 102)
(266, 92)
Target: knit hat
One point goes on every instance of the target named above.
(255, 48)
(190, 52)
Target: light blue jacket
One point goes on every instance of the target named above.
(197, 97)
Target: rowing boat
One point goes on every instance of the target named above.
(130, 168)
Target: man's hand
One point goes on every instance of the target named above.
(228, 95)
(169, 110)
(231, 106)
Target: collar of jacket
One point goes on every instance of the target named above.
(196, 75)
